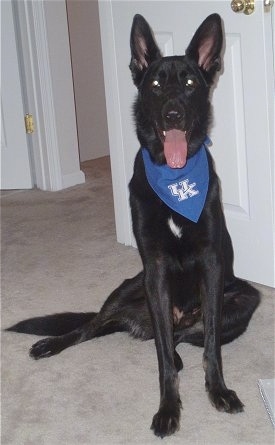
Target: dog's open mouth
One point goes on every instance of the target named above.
(175, 147)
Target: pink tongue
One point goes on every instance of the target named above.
(175, 148)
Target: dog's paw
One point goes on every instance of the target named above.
(226, 401)
(45, 348)
(167, 420)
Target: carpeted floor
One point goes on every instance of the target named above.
(59, 252)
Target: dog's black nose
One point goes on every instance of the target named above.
(173, 116)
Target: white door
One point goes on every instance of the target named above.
(241, 134)
(15, 162)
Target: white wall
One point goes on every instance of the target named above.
(84, 31)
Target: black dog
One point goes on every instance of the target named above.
(187, 291)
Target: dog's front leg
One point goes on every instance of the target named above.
(212, 291)
(166, 420)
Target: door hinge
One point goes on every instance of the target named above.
(29, 123)
(268, 4)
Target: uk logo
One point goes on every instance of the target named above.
(183, 190)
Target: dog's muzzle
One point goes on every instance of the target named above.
(172, 133)
(173, 117)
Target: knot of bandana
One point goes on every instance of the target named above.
(183, 189)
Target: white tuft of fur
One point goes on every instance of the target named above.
(176, 230)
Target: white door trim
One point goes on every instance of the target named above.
(46, 120)
(118, 163)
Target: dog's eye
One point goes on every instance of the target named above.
(155, 84)
(191, 83)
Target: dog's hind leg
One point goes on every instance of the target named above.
(53, 345)
(240, 301)
(124, 310)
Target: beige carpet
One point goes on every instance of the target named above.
(59, 252)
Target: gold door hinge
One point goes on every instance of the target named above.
(29, 123)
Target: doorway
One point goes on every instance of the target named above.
(87, 67)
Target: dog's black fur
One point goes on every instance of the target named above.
(187, 291)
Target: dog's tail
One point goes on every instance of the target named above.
(53, 325)
(240, 301)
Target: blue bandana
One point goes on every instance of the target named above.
(184, 189)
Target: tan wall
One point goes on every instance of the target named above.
(84, 30)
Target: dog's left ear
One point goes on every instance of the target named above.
(144, 49)
(206, 45)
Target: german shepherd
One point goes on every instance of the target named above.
(187, 291)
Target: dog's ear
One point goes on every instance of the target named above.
(206, 45)
(144, 49)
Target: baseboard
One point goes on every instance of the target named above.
(73, 179)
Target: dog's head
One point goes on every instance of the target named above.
(172, 109)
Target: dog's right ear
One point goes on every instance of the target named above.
(144, 49)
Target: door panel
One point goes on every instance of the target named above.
(15, 163)
(240, 130)
(231, 163)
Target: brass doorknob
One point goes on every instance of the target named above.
(245, 6)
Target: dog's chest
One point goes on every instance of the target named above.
(183, 234)
(175, 229)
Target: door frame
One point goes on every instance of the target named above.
(118, 162)
(37, 78)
